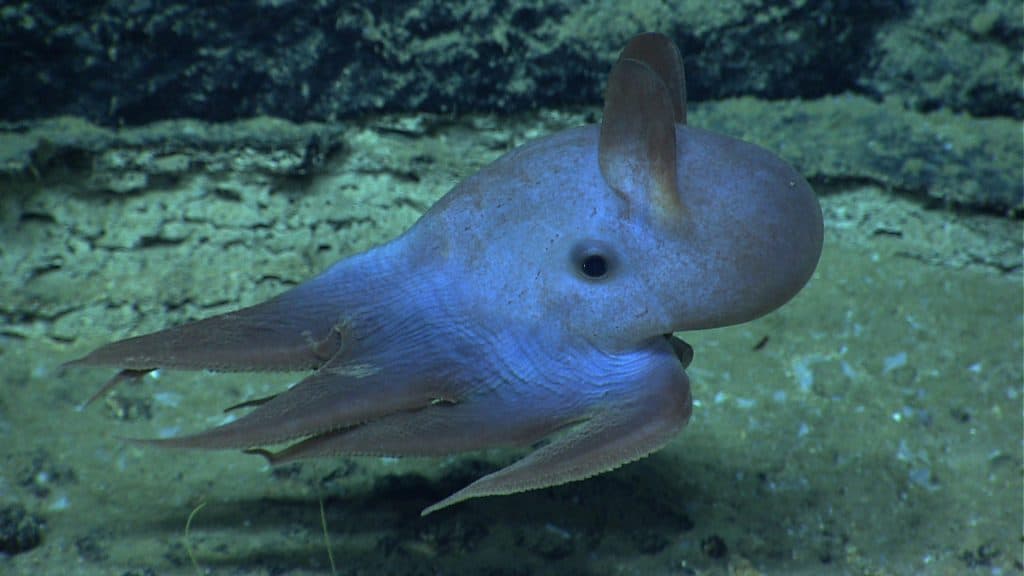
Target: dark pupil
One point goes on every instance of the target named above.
(594, 266)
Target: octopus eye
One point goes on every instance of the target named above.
(594, 266)
(593, 260)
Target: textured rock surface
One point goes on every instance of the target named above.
(944, 159)
(136, 61)
(947, 160)
(952, 54)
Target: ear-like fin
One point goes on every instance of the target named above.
(661, 54)
(637, 147)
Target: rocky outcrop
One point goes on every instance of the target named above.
(135, 61)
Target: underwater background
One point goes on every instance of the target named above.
(163, 161)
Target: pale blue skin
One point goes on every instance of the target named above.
(477, 327)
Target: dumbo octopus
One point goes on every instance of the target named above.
(537, 300)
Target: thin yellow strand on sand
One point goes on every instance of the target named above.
(188, 542)
(327, 538)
